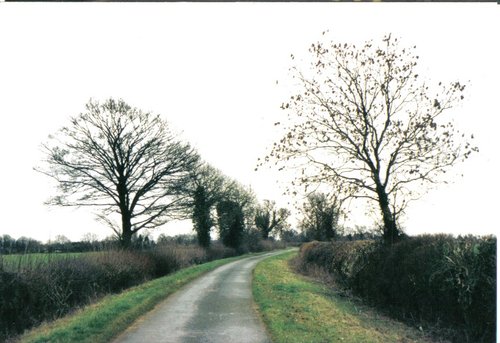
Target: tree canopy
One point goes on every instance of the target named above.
(368, 125)
(320, 217)
(122, 161)
(268, 218)
(235, 212)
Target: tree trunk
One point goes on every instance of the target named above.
(202, 224)
(126, 237)
(203, 237)
(265, 233)
(391, 232)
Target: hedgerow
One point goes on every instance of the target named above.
(44, 289)
(449, 282)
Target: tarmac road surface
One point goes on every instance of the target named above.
(217, 307)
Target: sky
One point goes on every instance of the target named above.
(210, 69)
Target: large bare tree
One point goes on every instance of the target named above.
(369, 125)
(123, 161)
(268, 218)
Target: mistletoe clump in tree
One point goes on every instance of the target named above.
(368, 125)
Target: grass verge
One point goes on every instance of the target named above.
(102, 321)
(296, 309)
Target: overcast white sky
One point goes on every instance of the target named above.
(210, 69)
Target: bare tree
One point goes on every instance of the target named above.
(269, 218)
(61, 239)
(90, 237)
(123, 161)
(320, 217)
(367, 124)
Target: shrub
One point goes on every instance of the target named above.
(13, 293)
(342, 260)
(47, 288)
(168, 258)
(36, 289)
(253, 242)
(217, 250)
(440, 279)
(116, 270)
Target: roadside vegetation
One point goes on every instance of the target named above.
(133, 169)
(135, 172)
(37, 288)
(297, 309)
(138, 175)
(364, 124)
(104, 320)
(437, 282)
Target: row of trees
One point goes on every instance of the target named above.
(320, 221)
(135, 172)
(222, 203)
(363, 123)
(10, 245)
(60, 243)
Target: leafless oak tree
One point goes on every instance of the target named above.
(123, 161)
(367, 124)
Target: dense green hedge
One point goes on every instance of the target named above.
(439, 279)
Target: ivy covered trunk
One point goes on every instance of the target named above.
(391, 232)
(202, 220)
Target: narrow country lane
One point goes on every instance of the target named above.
(218, 307)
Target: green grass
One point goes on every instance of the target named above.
(16, 262)
(109, 317)
(296, 309)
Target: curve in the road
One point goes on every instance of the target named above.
(218, 307)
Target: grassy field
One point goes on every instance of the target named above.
(296, 309)
(106, 319)
(16, 262)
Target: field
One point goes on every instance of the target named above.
(18, 262)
